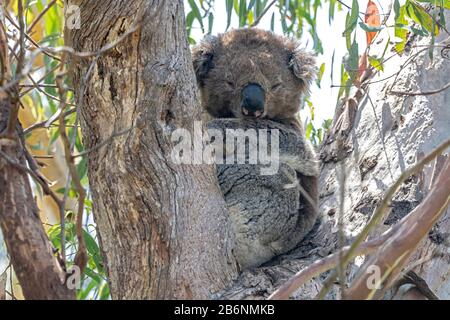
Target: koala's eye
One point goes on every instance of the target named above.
(276, 86)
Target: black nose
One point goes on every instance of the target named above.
(252, 100)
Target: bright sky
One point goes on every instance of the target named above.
(324, 98)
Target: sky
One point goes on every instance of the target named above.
(324, 98)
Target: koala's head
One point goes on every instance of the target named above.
(252, 73)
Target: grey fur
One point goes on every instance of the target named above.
(268, 213)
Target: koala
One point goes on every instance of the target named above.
(254, 79)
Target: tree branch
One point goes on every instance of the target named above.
(420, 93)
(258, 20)
(358, 247)
(415, 226)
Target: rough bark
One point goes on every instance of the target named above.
(29, 249)
(163, 227)
(389, 133)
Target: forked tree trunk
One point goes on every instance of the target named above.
(163, 227)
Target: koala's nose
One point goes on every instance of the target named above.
(253, 100)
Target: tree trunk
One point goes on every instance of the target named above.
(30, 252)
(163, 227)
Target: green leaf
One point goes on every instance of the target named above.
(82, 168)
(331, 11)
(400, 31)
(272, 22)
(352, 61)
(344, 78)
(92, 274)
(396, 9)
(189, 21)
(242, 12)
(439, 3)
(229, 8)
(377, 63)
(197, 14)
(104, 291)
(320, 75)
(259, 7)
(416, 12)
(210, 22)
(311, 109)
(420, 32)
(332, 66)
(93, 250)
(191, 41)
(251, 4)
(83, 294)
(309, 129)
(350, 21)
(368, 28)
(236, 6)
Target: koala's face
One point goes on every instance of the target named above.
(252, 73)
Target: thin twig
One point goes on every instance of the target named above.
(103, 143)
(36, 178)
(420, 93)
(81, 262)
(38, 18)
(258, 20)
(47, 123)
(14, 92)
(30, 39)
(341, 266)
(40, 80)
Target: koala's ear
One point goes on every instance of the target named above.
(202, 57)
(303, 66)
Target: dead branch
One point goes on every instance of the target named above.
(47, 123)
(104, 143)
(420, 93)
